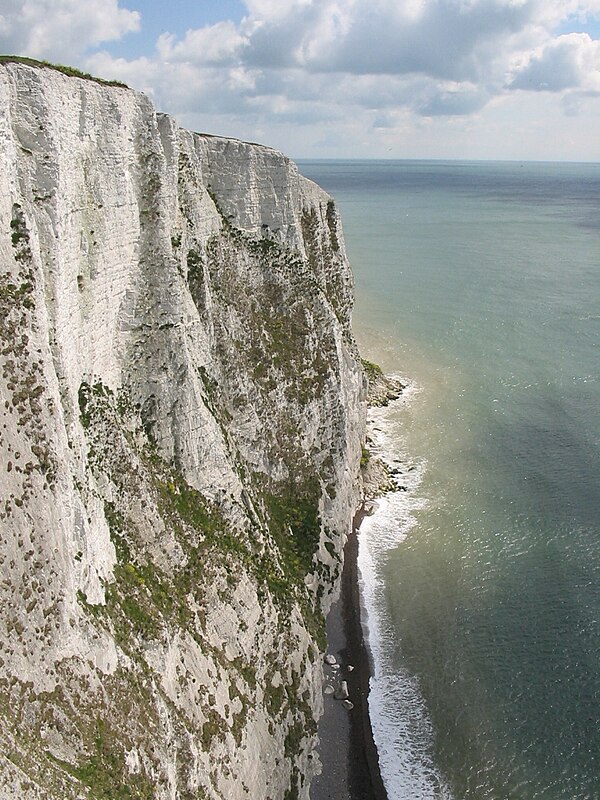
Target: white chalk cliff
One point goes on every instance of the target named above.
(182, 414)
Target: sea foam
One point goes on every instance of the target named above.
(401, 727)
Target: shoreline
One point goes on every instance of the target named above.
(350, 762)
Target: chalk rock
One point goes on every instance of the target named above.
(176, 352)
(341, 693)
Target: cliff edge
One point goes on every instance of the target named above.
(182, 415)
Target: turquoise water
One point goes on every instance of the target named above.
(480, 283)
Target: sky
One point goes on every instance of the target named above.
(465, 79)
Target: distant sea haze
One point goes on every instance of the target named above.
(480, 284)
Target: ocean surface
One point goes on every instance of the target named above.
(480, 284)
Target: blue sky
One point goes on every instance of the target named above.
(178, 16)
(482, 79)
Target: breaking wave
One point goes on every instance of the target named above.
(401, 727)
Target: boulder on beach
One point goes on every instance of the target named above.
(348, 704)
(330, 659)
(341, 693)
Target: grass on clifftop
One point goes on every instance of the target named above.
(72, 72)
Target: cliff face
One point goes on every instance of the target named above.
(181, 425)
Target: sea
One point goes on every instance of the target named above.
(478, 283)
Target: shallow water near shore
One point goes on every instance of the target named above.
(481, 575)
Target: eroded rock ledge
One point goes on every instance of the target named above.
(182, 415)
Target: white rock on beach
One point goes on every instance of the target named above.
(341, 692)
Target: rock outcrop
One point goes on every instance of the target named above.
(181, 422)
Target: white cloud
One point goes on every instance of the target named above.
(274, 9)
(571, 61)
(446, 39)
(215, 44)
(364, 67)
(61, 30)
